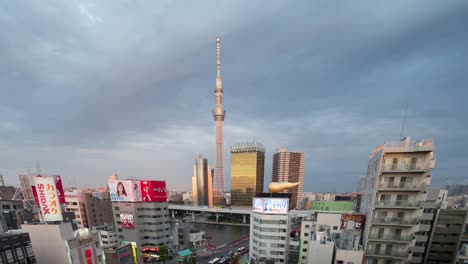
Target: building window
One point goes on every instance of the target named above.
(306, 234)
(305, 242)
(335, 227)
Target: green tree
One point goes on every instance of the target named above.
(234, 258)
(164, 253)
(190, 260)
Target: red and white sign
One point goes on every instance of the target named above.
(358, 219)
(153, 191)
(59, 186)
(127, 221)
(48, 198)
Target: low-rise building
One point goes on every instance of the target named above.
(58, 243)
(121, 254)
(15, 247)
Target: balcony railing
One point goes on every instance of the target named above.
(397, 203)
(394, 221)
(405, 167)
(386, 253)
(401, 186)
(392, 237)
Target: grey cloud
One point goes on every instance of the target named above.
(96, 87)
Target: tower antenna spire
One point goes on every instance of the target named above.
(218, 55)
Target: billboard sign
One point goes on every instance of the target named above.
(89, 255)
(48, 198)
(58, 185)
(153, 191)
(270, 205)
(358, 219)
(127, 221)
(125, 190)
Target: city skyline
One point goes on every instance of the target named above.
(86, 107)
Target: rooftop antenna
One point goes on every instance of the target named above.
(404, 121)
(38, 168)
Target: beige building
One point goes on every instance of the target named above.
(397, 176)
(92, 208)
(289, 167)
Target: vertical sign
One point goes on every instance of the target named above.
(48, 198)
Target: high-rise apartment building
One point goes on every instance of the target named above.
(247, 172)
(395, 186)
(289, 167)
(219, 114)
(446, 236)
(202, 183)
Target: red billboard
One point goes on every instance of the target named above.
(358, 219)
(153, 191)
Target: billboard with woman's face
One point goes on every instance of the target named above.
(125, 191)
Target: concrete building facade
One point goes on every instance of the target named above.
(58, 243)
(151, 229)
(289, 167)
(247, 172)
(395, 186)
(15, 247)
(91, 208)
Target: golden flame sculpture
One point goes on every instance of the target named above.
(281, 186)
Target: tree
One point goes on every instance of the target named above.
(234, 258)
(190, 260)
(164, 253)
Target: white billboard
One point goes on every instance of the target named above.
(48, 198)
(270, 205)
(125, 190)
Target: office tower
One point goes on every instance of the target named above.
(395, 186)
(270, 228)
(59, 243)
(141, 216)
(202, 183)
(218, 114)
(247, 172)
(289, 167)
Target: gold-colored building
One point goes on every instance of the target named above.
(247, 172)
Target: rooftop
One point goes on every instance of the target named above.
(406, 145)
(251, 146)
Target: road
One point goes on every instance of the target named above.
(224, 252)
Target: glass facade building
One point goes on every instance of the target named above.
(247, 172)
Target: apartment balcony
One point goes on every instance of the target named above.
(395, 221)
(391, 238)
(419, 249)
(396, 254)
(427, 216)
(401, 168)
(416, 259)
(398, 204)
(444, 239)
(421, 238)
(449, 230)
(425, 228)
(401, 186)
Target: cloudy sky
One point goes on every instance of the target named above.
(92, 88)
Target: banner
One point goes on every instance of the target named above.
(154, 191)
(358, 219)
(58, 185)
(270, 205)
(127, 221)
(125, 191)
(138, 191)
(48, 198)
